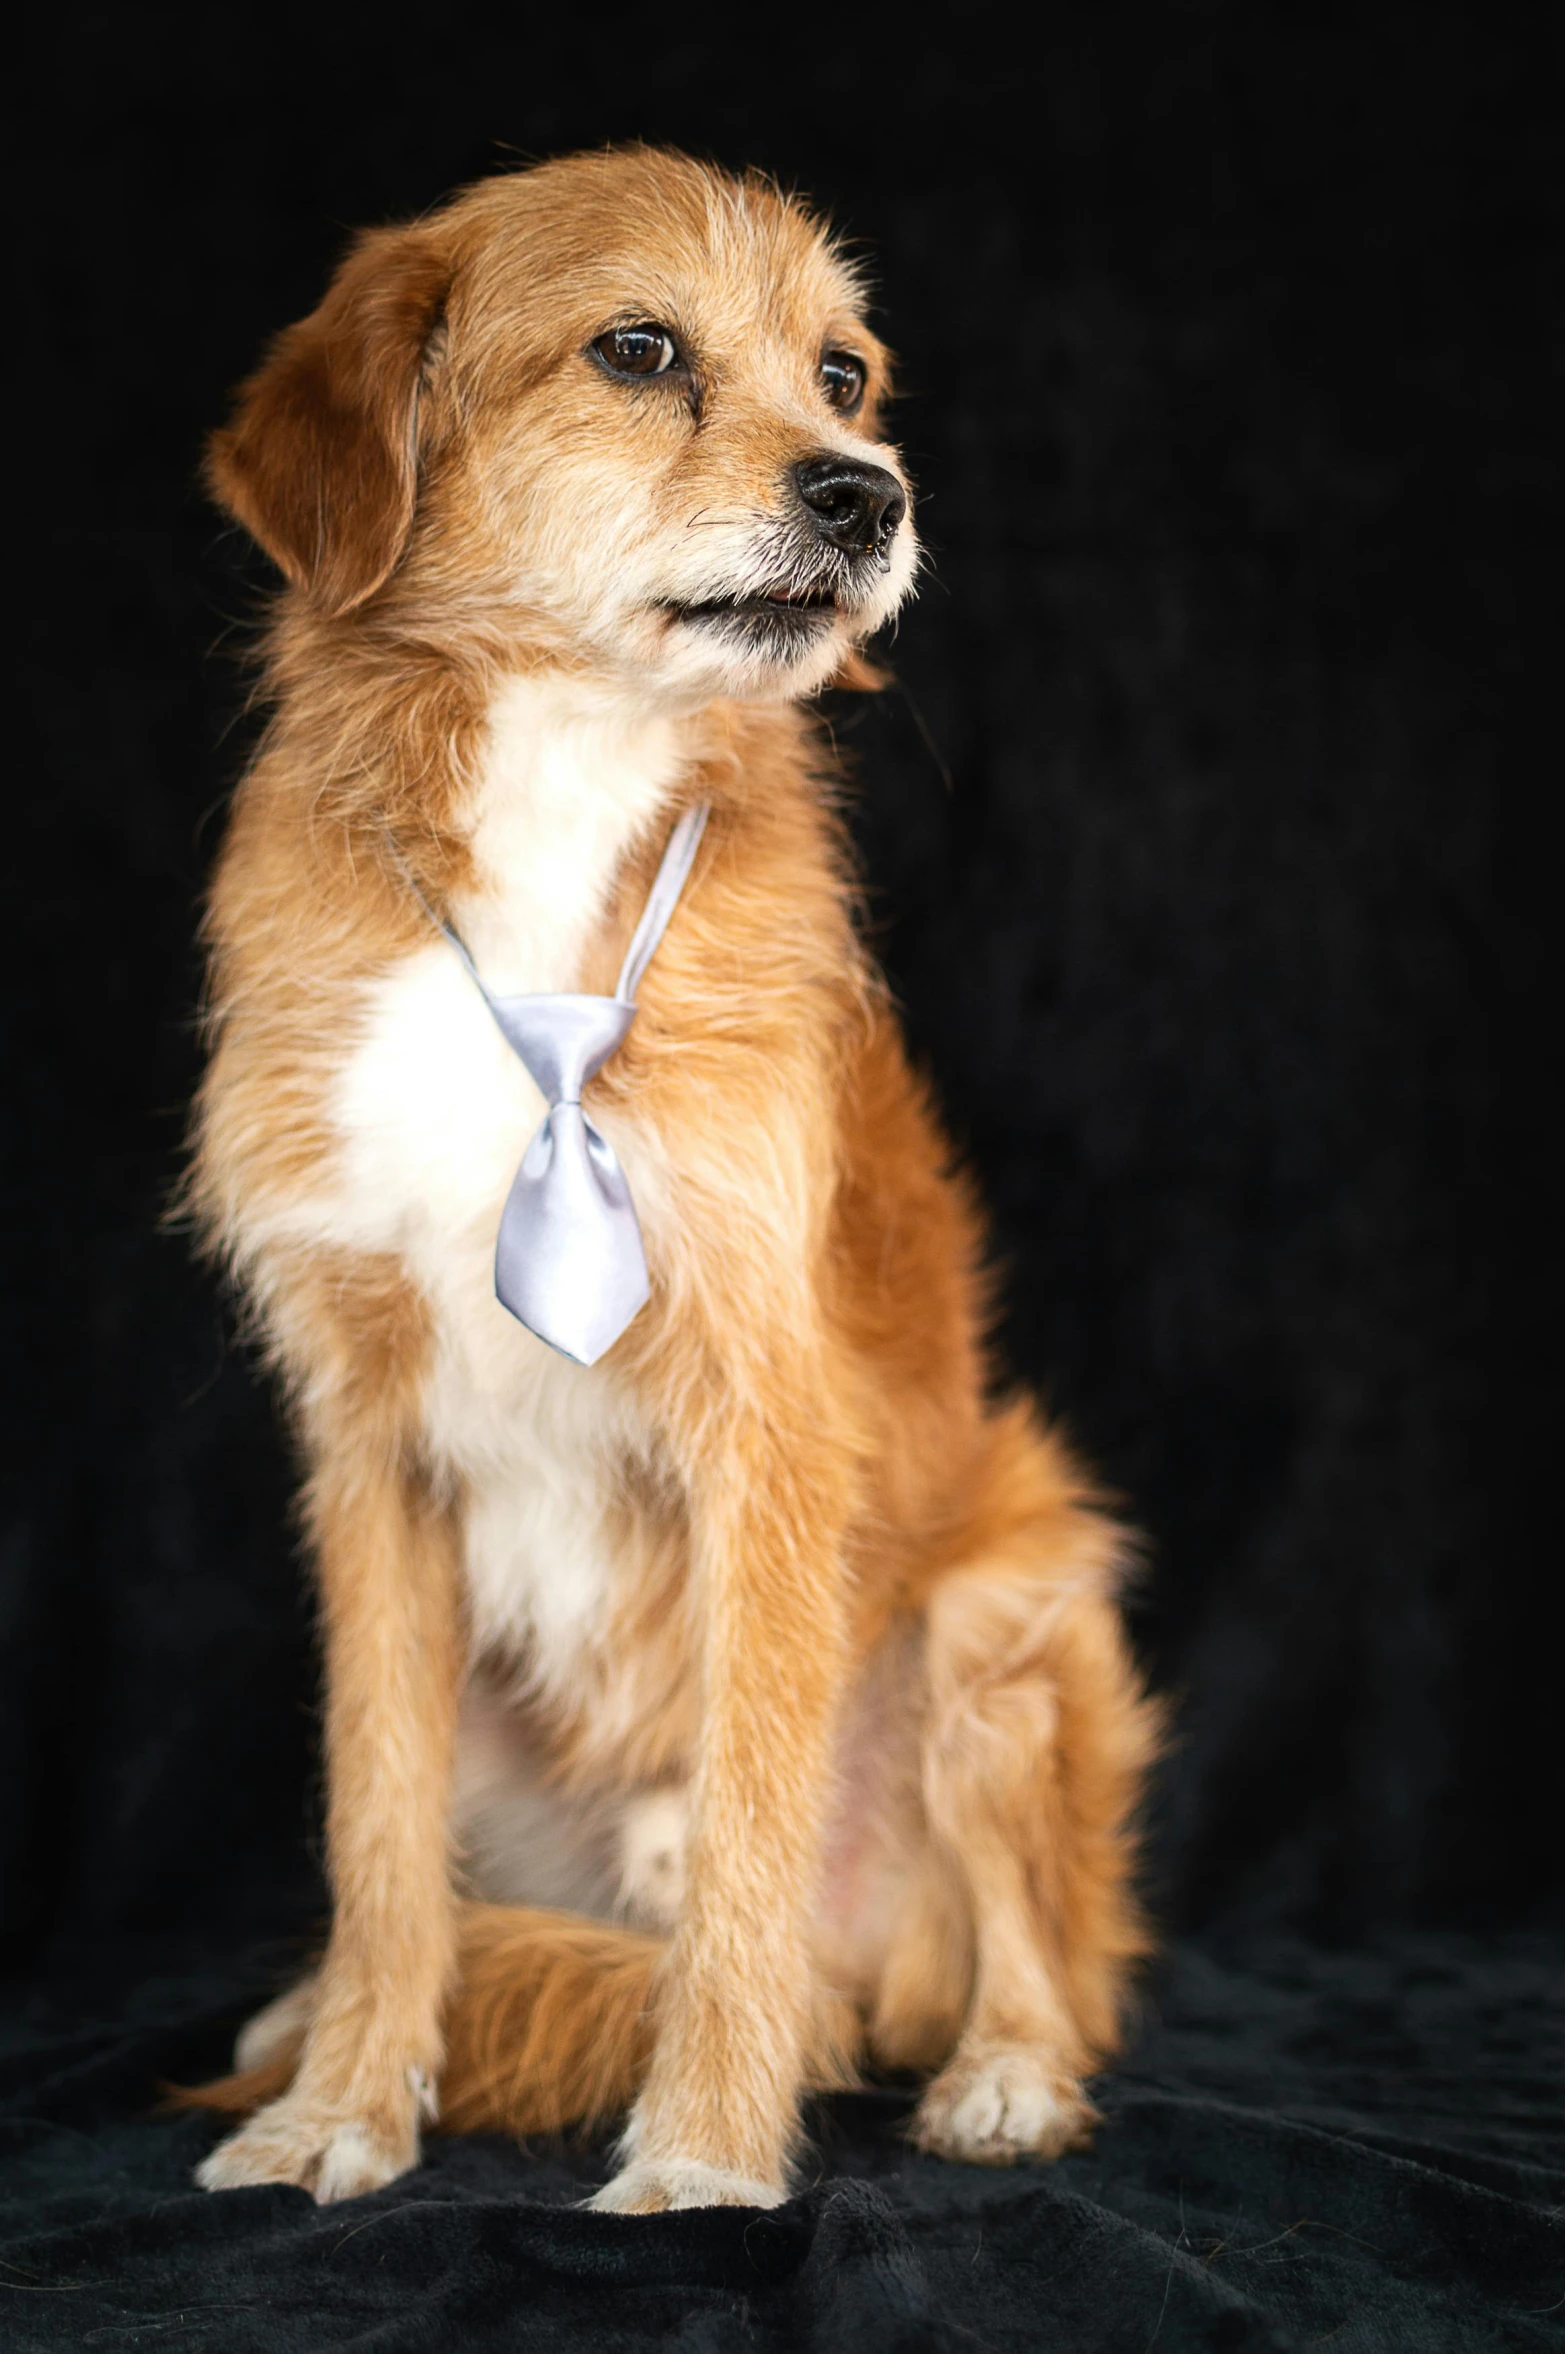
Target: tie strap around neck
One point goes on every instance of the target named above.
(667, 884)
(662, 899)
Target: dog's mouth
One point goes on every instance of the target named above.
(786, 614)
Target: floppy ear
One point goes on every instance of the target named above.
(320, 461)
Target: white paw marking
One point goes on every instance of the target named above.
(331, 2156)
(351, 2164)
(652, 2186)
(995, 2106)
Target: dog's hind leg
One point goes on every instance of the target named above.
(1036, 1744)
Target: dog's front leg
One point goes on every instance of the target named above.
(718, 2113)
(386, 1557)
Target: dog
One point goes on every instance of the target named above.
(751, 1706)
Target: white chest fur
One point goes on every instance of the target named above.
(433, 1112)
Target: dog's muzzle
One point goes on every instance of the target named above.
(831, 548)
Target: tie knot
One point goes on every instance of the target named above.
(563, 1040)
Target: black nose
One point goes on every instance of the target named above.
(854, 506)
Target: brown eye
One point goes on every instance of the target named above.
(842, 379)
(642, 350)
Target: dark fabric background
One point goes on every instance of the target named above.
(1207, 839)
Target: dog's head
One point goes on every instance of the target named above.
(622, 409)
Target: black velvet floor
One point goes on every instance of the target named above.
(1364, 2150)
(1208, 834)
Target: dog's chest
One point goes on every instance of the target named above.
(433, 1112)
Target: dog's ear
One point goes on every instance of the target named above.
(320, 461)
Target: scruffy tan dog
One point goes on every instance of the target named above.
(752, 1705)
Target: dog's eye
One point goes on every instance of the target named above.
(842, 379)
(642, 350)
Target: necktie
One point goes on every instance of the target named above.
(569, 1262)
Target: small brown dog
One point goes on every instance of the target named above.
(752, 1705)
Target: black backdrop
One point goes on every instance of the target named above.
(1205, 836)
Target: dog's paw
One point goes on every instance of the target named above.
(1001, 2102)
(654, 2186)
(653, 1834)
(278, 2031)
(330, 2155)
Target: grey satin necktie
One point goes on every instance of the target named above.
(569, 1262)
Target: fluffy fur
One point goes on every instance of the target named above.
(771, 1643)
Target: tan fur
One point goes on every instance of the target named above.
(862, 1617)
